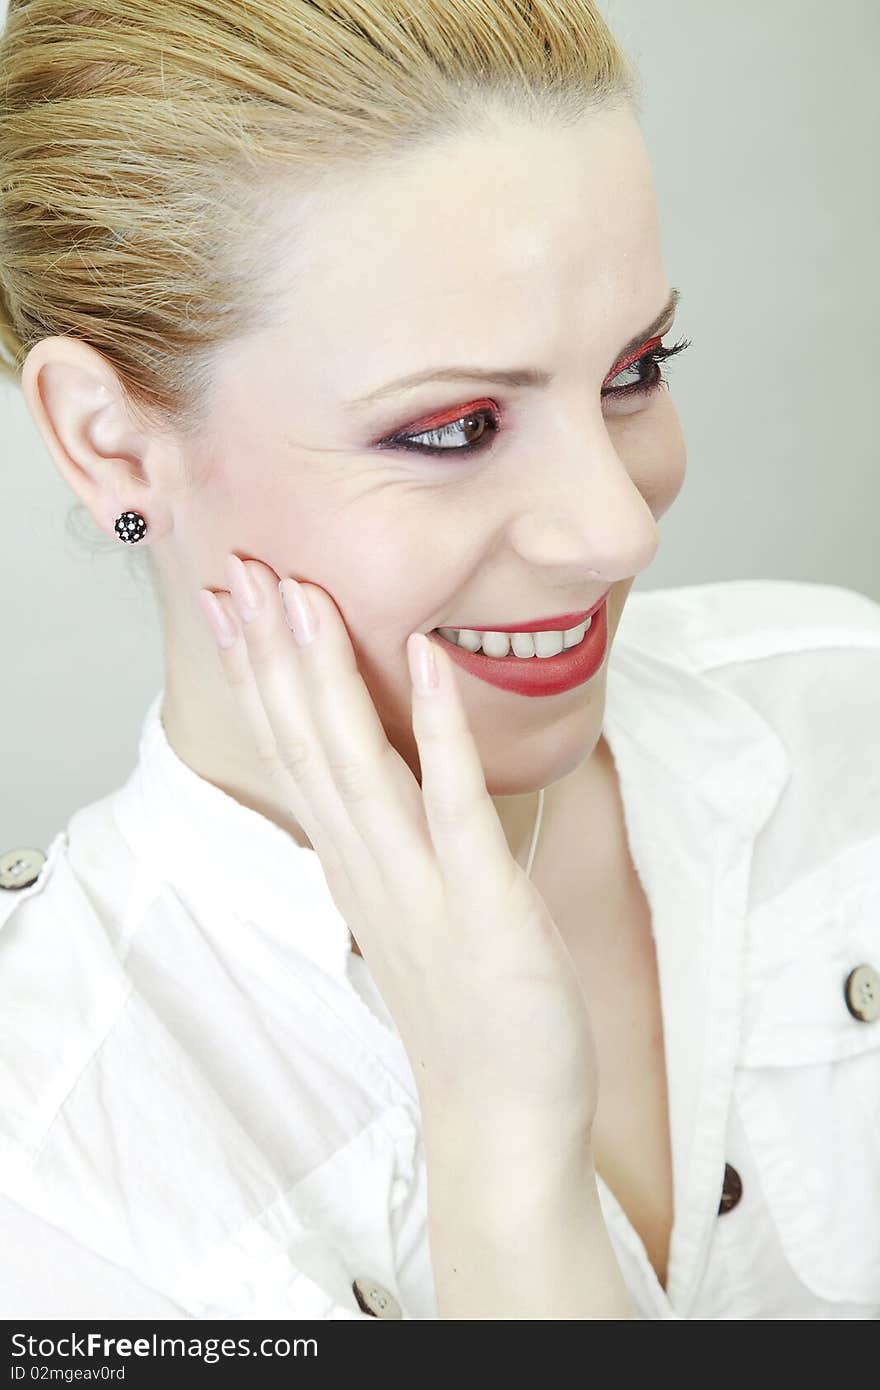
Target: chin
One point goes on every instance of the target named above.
(569, 755)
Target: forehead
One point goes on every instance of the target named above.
(480, 224)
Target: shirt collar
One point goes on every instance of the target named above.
(706, 739)
(229, 863)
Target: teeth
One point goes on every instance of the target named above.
(469, 640)
(524, 644)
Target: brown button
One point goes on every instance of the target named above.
(19, 868)
(376, 1300)
(731, 1191)
(862, 993)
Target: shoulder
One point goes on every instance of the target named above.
(21, 876)
(74, 891)
(61, 983)
(25, 873)
(705, 626)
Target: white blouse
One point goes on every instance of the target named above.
(206, 1110)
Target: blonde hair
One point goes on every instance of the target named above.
(139, 143)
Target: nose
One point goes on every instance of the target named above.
(581, 512)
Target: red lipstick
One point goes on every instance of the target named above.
(537, 675)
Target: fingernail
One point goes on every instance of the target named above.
(298, 612)
(217, 619)
(248, 600)
(422, 664)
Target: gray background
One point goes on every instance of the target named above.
(761, 117)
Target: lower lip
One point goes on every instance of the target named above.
(537, 675)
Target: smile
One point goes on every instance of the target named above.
(560, 660)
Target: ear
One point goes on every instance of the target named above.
(80, 408)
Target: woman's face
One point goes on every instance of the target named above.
(537, 250)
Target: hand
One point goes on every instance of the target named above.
(460, 943)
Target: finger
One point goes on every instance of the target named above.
(236, 667)
(238, 671)
(330, 738)
(468, 838)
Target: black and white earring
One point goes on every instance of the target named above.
(131, 527)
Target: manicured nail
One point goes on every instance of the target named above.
(422, 664)
(217, 619)
(248, 600)
(298, 612)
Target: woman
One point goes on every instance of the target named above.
(411, 975)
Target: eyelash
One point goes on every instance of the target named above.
(652, 358)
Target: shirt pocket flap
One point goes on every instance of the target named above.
(808, 1084)
(802, 949)
(301, 1256)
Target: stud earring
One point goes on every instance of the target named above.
(131, 527)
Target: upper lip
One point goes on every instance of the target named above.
(558, 624)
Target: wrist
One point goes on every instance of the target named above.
(508, 1164)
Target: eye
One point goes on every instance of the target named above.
(480, 424)
(475, 429)
(647, 365)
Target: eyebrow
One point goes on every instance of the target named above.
(515, 376)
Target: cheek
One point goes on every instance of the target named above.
(386, 575)
(385, 590)
(655, 455)
(234, 505)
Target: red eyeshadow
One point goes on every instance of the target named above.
(633, 357)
